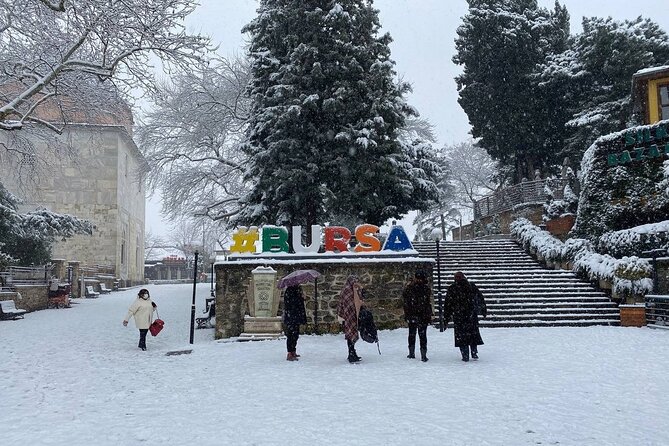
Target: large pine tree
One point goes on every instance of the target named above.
(593, 76)
(499, 44)
(326, 115)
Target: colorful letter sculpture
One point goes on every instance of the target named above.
(335, 239)
(243, 241)
(274, 239)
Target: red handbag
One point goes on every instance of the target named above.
(156, 325)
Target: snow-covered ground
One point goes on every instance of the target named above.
(75, 377)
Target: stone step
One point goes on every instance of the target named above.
(519, 291)
(552, 311)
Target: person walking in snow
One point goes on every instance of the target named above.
(348, 310)
(463, 302)
(142, 310)
(294, 315)
(418, 312)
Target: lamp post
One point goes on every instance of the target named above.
(440, 296)
(192, 308)
(212, 279)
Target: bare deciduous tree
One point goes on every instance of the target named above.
(192, 140)
(55, 54)
(473, 173)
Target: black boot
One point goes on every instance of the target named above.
(465, 353)
(412, 351)
(352, 355)
(423, 354)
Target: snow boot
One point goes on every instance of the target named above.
(465, 353)
(291, 357)
(475, 352)
(352, 355)
(412, 351)
(423, 354)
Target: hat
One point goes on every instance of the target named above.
(459, 275)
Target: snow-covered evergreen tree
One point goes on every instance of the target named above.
(27, 238)
(326, 115)
(499, 44)
(593, 76)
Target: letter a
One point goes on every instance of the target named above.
(397, 240)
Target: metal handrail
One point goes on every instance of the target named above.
(526, 192)
(657, 310)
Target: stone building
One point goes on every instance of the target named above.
(94, 171)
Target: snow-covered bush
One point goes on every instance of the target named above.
(630, 193)
(537, 240)
(5, 259)
(635, 241)
(558, 207)
(27, 238)
(629, 275)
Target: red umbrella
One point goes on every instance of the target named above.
(298, 277)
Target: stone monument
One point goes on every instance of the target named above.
(262, 322)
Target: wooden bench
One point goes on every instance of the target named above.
(104, 289)
(8, 310)
(91, 293)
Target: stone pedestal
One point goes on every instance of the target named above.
(262, 323)
(261, 328)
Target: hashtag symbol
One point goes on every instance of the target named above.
(244, 240)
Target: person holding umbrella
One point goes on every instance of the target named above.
(294, 315)
(348, 310)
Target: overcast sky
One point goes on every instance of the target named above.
(423, 32)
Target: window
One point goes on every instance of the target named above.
(663, 91)
(123, 244)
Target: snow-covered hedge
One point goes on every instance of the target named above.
(635, 241)
(630, 193)
(628, 275)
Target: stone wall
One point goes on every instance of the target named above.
(102, 182)
(382, 279)
(28, 297)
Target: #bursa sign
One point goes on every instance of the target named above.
(335, 240)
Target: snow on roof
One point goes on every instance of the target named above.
(651, 70)
(159, 253)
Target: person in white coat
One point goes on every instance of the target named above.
(142, 310)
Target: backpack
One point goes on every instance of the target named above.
(367, 327)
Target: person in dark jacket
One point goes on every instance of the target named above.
(294, 315)
(418, 312)
(464, 302)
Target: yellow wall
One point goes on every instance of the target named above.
(653, 101)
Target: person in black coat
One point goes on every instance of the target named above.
(294, 315)
(464, 302)
(418, 312)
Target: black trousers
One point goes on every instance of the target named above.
(465, 350)
(292, 335)
(422, 334)
(142, 337)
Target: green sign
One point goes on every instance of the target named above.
(653, 146)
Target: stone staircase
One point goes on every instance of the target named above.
(518, 290)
